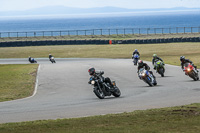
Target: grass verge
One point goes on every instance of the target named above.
(170, 52)
(184, 119)
(16, 81)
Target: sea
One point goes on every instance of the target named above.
(150, 20)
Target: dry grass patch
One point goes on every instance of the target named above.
(17, 81)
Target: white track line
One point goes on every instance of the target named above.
(36, 83)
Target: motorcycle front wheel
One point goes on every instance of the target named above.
(149, 82)
(194, 76)
(161, 71)
(99, 93)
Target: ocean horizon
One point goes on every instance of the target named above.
(101, 21)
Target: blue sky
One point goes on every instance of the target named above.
(21, 5)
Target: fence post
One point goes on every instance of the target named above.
(117, 31)
(139, 31)
(109, 32)
(162, 30)
(101, 31)
(191, 30)
(26, 34)
(76, 32)
(176, 30)
(184, 30)
(0, 35)
(132, 31)
(155, 31)
(93, 32)
(60, 33)
(199, 29)
(17, 34)
(124, 31)
(8, 34)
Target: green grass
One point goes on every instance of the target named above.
(16, 81)
(184, 119)
(170, 52)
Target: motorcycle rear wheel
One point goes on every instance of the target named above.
(117, 92)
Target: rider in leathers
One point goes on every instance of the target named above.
(183, 61)
(98, 75)
(135, 52)
(50, 56)
(141, 64)
(155, 59)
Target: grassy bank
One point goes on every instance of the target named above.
(16, 81)
(184, 119)
(170, 52)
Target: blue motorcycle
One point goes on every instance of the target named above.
(147, 77)
(135, 57)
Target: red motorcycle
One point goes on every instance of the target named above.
(191, 71)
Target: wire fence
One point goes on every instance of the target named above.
(93, 32)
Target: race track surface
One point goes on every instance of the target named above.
(63, 90)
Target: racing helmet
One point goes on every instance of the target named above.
(154, 55)
(140, 63)
(91, 71)
(182, 58)
(136, 50)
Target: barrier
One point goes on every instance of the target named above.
(97, 42)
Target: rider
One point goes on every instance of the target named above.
(183, 61)
(29, 59)
(50, 56)
(135, 52)
(141, 64)
(155, 59)
(98, 75)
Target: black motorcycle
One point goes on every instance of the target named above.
(102, 89)
(52, 60)
(32, 60)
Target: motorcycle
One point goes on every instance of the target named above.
(135, 57)
(102, 89)
(191, 71)
(32, 60)
(160, 68)
(147, 77)
(52, 60)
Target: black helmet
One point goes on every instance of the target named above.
(140, 63)
(91, 71)
(182, 58)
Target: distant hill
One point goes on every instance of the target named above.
(62, 10)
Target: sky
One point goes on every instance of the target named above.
(22, 5)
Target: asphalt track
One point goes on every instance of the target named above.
(63, 90)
